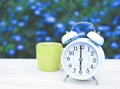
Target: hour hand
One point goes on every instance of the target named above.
(80, 65)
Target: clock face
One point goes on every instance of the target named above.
(80, 60)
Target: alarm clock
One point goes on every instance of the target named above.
(82, 58)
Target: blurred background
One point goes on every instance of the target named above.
(24, 23)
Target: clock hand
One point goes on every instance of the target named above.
(80, 52)
(80, 66)
(80, 59)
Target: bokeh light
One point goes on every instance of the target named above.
(24, 23)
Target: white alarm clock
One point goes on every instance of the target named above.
(82, 58)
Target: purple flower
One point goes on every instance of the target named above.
(85, 3)
(60, 26)
(72, 22)
(48, 38)
(118, 27)
(104, 28)
(13, 21)
(76, 13)
(115, 4)
(26, 17)
(56, 1)
(21, 24)
(37, 12)
(117, 31)
(40, 32)
(46, 14)
(16, 37)
(38, 39)
(31, 0)
(115, 21)
(117, 56)
(10, 28)
(40, 8)
(2, 23)
(114, 45)
(48, 3)
(92, 20)
(102, 13)
(50, 19)
(11, 52)
(19, 8)
(32, 7)
(98, 20)
(108, 34)
(20, 47)
(38, 4)
(4, 43)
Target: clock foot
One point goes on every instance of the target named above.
(66, 77)
(95, 80)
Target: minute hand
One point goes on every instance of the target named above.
(80, 52)
(80, 58)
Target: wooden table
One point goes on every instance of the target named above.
(24, 74)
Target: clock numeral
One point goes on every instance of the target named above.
(80, 71)
(81, 46)
(70, 65)
(88, 49)
(75, 48)
(92, 53)
(94, 60)
(71, 52)
(68, 58)
(91, 66)
(87, 70)
(74, 70)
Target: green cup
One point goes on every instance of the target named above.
(48, 56)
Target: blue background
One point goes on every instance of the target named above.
(23, 23)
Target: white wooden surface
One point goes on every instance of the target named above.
(24, 74)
